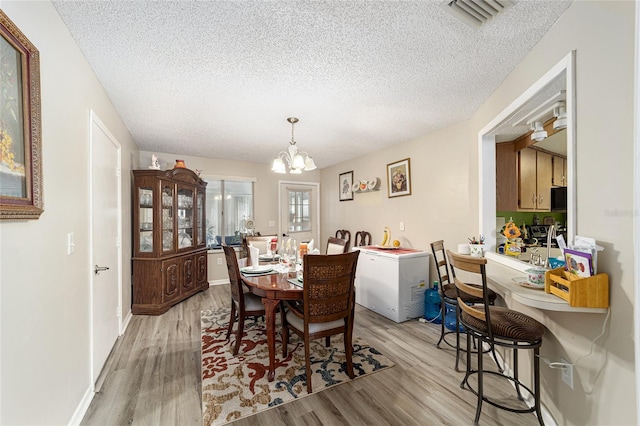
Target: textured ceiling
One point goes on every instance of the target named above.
(219, 78)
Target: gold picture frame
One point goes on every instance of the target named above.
(21, 191)
(399, 178)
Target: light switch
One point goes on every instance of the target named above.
(272, 223)
(402, 226)
(70, 244)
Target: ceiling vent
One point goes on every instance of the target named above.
(476, 12)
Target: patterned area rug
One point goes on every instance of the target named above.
(236, 386)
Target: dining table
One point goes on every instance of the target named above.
(272, 288)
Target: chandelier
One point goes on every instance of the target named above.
(297, 161)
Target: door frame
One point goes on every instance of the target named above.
(95, 120)
(293, 182)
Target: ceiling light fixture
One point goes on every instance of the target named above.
(560, 112)
(538, 131)
(297, 161)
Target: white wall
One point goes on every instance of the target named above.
(44, 305)
(444, 204)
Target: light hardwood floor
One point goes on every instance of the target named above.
(153, 378)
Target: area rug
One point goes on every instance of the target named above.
(236, 386)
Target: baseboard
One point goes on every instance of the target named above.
(218, 282)
(125, 323)
(82, 408)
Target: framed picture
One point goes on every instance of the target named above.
(345, 184)
(20, 150)
(578, 263)
(399, 178)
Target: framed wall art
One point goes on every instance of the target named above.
(21, 190)
(345, 185)
(399, 178)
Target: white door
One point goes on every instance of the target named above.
(105, 244)
(300, 212)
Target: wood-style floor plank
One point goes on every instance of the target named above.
(153, 378)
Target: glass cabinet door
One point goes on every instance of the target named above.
(185, 218)
(167, 217)
(200, 231)
(145, 218)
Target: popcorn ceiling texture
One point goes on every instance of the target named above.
(219, 78)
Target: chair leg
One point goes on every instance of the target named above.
(515, 373)
(232, 318)
(442, 312)
(239, 334)
(468, 372)
(348, 348)
(480, 383)
(458, 337)
(307, 360)
(327, 341)
(536, 383)
(285, 336)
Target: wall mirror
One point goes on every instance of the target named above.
(556, 87)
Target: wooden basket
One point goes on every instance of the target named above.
(590, 292)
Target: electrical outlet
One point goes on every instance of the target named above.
(71, 245)
(219, 261)
(402, 226)
(567, 373)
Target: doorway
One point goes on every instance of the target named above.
(105, 242)
(299, 208)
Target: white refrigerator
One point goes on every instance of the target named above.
(392, 282)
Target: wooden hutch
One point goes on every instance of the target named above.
(169, 238)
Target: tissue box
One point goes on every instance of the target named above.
(589, 292)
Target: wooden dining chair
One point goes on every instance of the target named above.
(336, 246)
(363, 238)
(259, 241)
(344, 235)
(243, 303)
(328, 305)
(496, 326)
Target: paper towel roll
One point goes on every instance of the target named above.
(463, 248)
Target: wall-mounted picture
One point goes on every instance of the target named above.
(20, 150)
(399, 178)
(345, 186)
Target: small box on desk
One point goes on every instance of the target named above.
(589, 292)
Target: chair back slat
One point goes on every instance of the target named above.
(442, 266)
(344, 234)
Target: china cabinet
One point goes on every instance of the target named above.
(169, 238)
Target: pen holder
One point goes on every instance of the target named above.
(476, 250)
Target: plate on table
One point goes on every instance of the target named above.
(386, 247)
(524, 282)
(260, 269)
(268, 258)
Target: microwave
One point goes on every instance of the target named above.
(559, 199)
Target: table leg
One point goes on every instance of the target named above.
(270, 306)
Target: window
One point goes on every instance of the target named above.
(299, 211)
(229, 204)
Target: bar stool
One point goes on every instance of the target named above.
(496, 326)
(449, 297)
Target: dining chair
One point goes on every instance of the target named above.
(261, 242)
(363, 238)
(336, 246)
(243, 303)
(449, 297)
(345, 235)
(496, 326)
(327, 306)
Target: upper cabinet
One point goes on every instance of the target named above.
(559, 171)
(524, 178)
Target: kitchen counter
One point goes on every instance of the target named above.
(499, 278)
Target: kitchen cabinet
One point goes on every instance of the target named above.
(559, 171)
(392, 282)
(523, 179)
(169, 237)
(534, 179)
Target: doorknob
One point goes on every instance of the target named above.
(97, 269)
